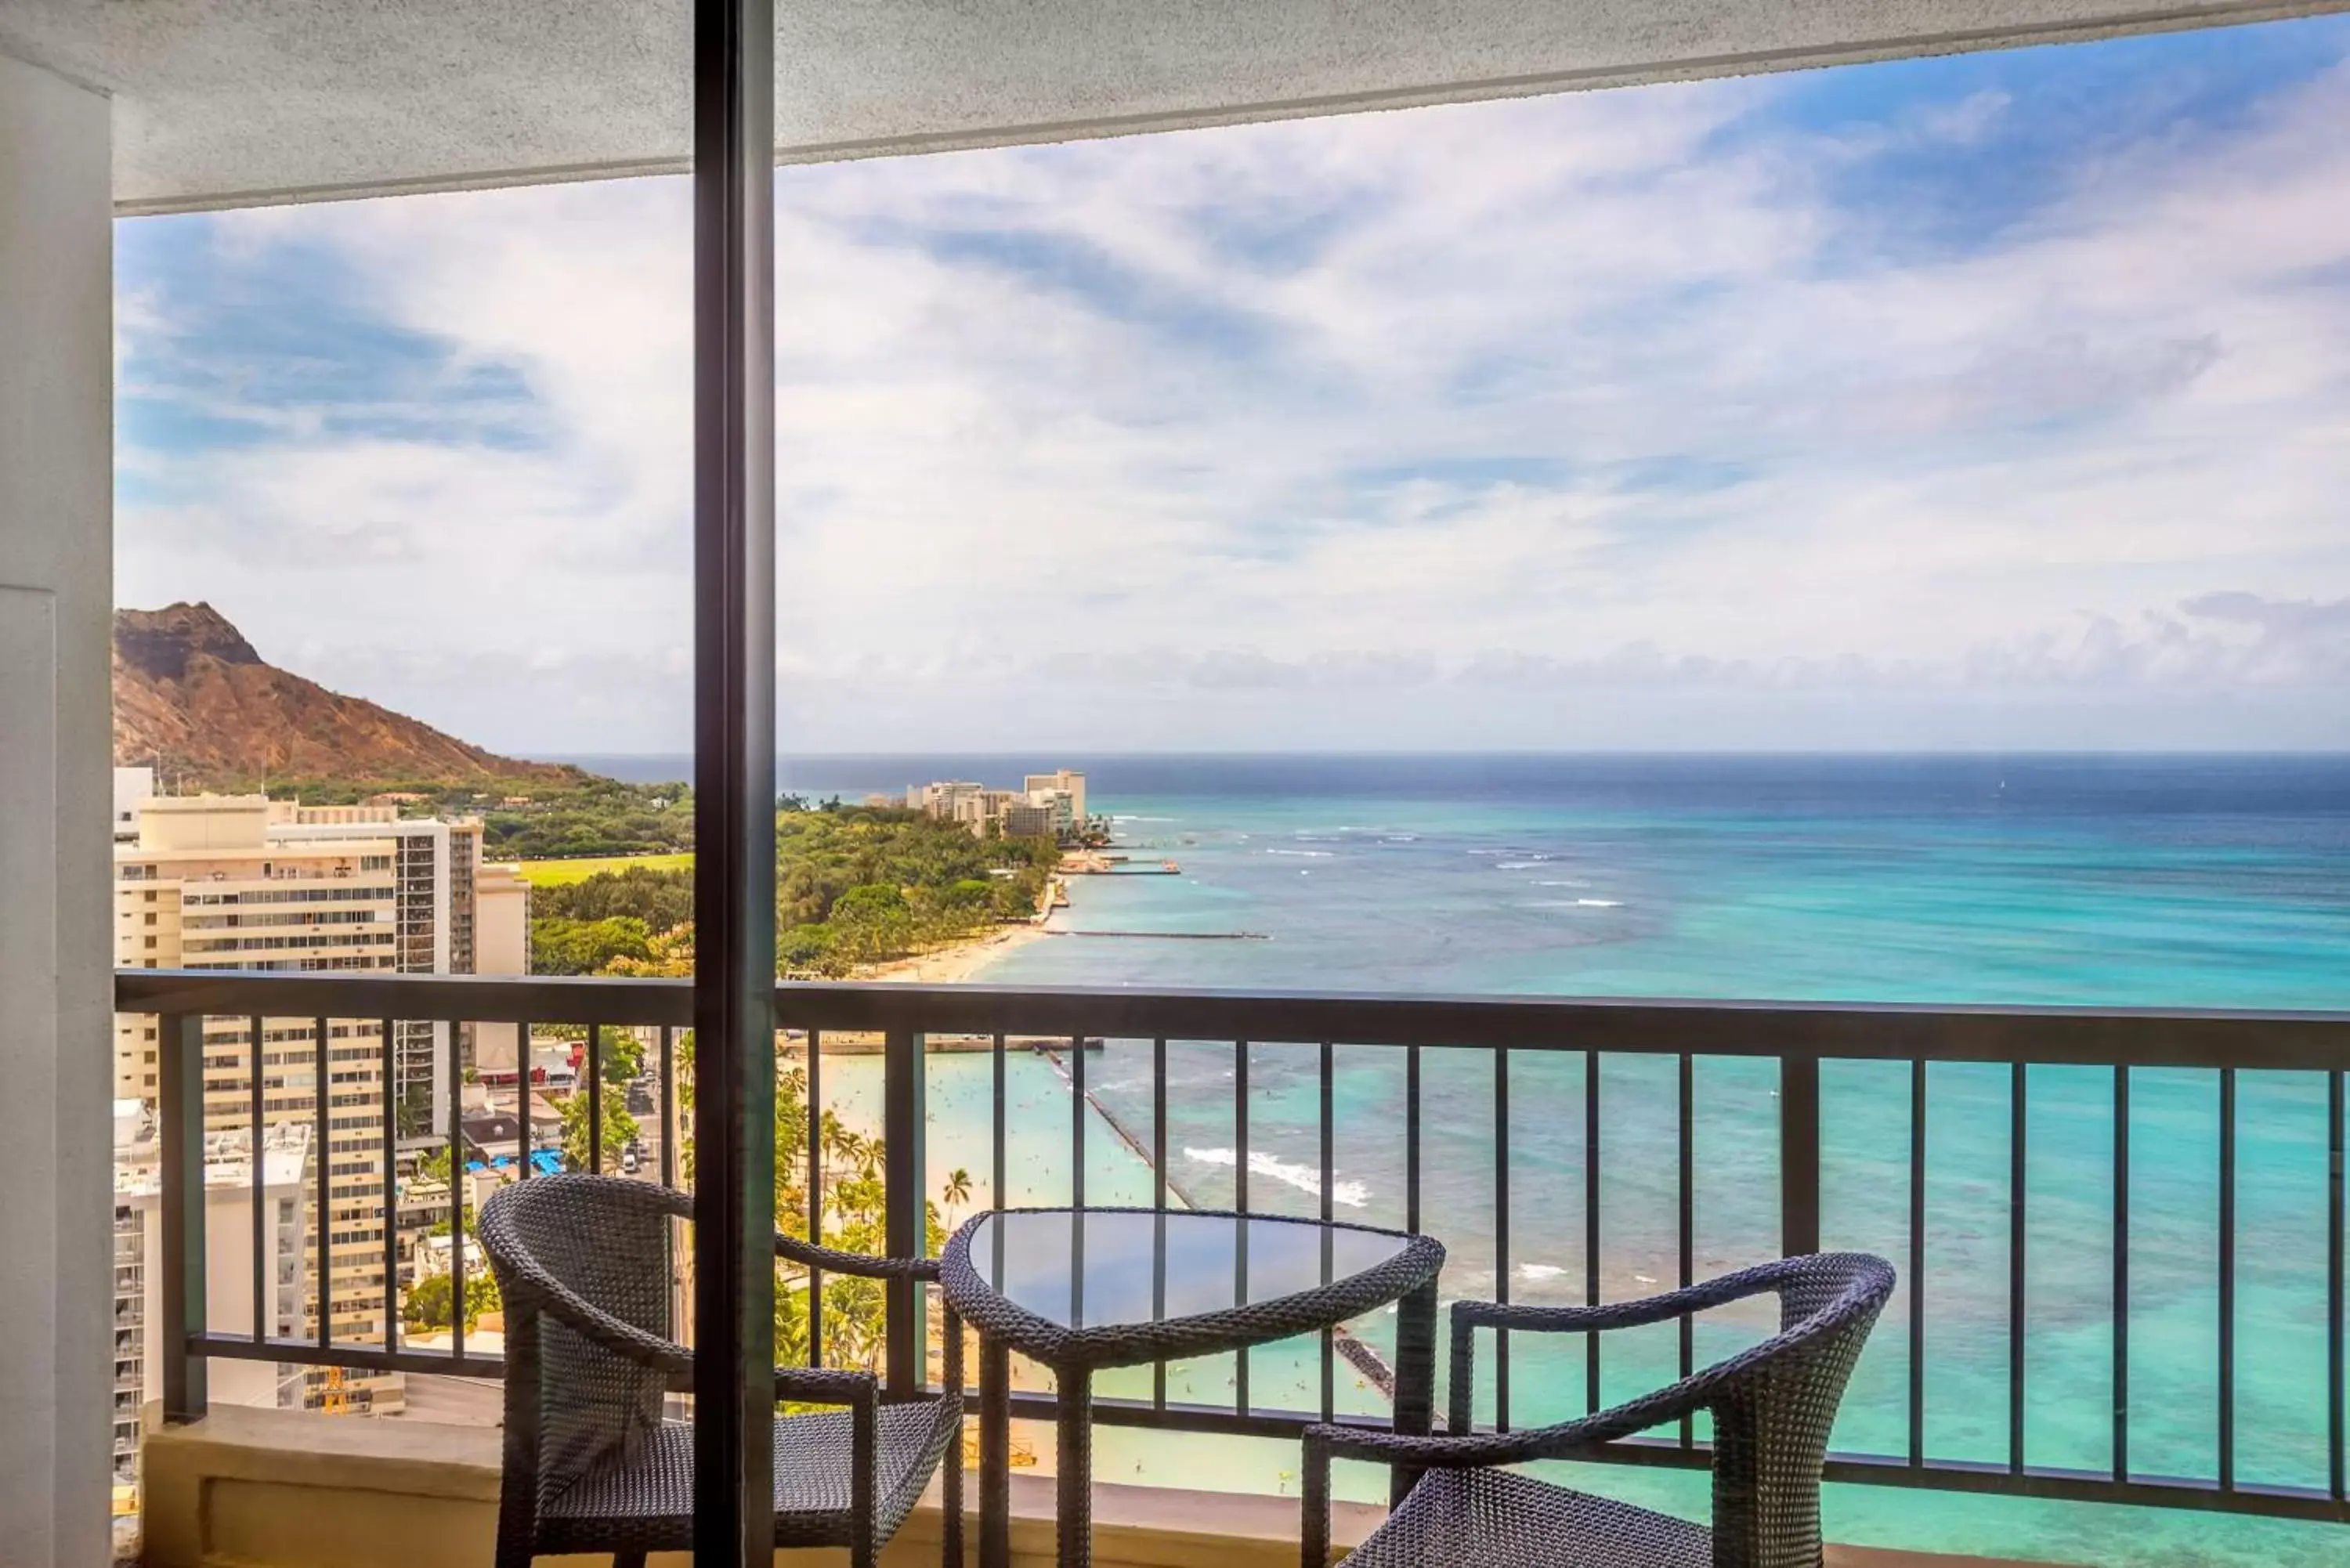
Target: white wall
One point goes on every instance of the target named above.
(501, 946)
(228, 1282)
(133, 787)
(56, 1029)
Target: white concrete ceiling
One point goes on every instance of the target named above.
(233, 102)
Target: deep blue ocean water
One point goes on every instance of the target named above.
(2137, 881)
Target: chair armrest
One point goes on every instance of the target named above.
(831, 1261)
(830, 1385)
(1468, 1316)
(1475, 1450)
(1462, 1450)
(1754, 1281)
(827, 1385)
(814, 1255)
(622, 1338)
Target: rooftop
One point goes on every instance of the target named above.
(228, 1156)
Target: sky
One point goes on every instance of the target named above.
(2000, 402)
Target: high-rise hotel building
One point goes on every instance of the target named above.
(239, 882)
(435, 865)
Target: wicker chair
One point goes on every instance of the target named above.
(590, 1465)
(1771, 1407)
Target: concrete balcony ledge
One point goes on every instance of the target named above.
(249, 1488)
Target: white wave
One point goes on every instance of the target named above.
(1600, 903)
(1540, 1270)
(1532, 865)
(1352, 1194)
(1307, 854)
(1118, 1085)
(1564, 882)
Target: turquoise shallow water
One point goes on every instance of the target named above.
(2115, 881)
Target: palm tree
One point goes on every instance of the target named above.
(958, 1189)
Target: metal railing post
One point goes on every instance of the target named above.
(1799, 1155)
(903, 1115)
(180, 1080)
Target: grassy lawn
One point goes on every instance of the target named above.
(563, 873)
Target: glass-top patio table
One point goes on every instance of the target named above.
(1080, 1290)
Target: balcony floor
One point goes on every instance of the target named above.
(286, 1489)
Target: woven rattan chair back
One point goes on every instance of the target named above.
(607, 1242)
(1772, 1417)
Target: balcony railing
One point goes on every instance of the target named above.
(2004, 1065)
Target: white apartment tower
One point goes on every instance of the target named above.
(283, 1180)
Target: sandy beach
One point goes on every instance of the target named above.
(953, 965)
(950, 965)
(959, 962)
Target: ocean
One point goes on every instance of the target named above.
(2201, 881)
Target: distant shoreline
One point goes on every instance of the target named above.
(957, 962)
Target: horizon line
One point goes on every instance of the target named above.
(1466, 752)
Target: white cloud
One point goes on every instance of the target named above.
(1359, 431)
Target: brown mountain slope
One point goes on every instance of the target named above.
(193, 697)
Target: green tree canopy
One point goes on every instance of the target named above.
(857, 885)
(662, 899)
(428, 1300)
(562, 946)
(593, 817)
(619, 1128)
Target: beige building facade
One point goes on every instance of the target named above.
(435, 864)
(1067, 781)
(1050, 804)
(501, 946)
(243, 883)
(206, 887)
